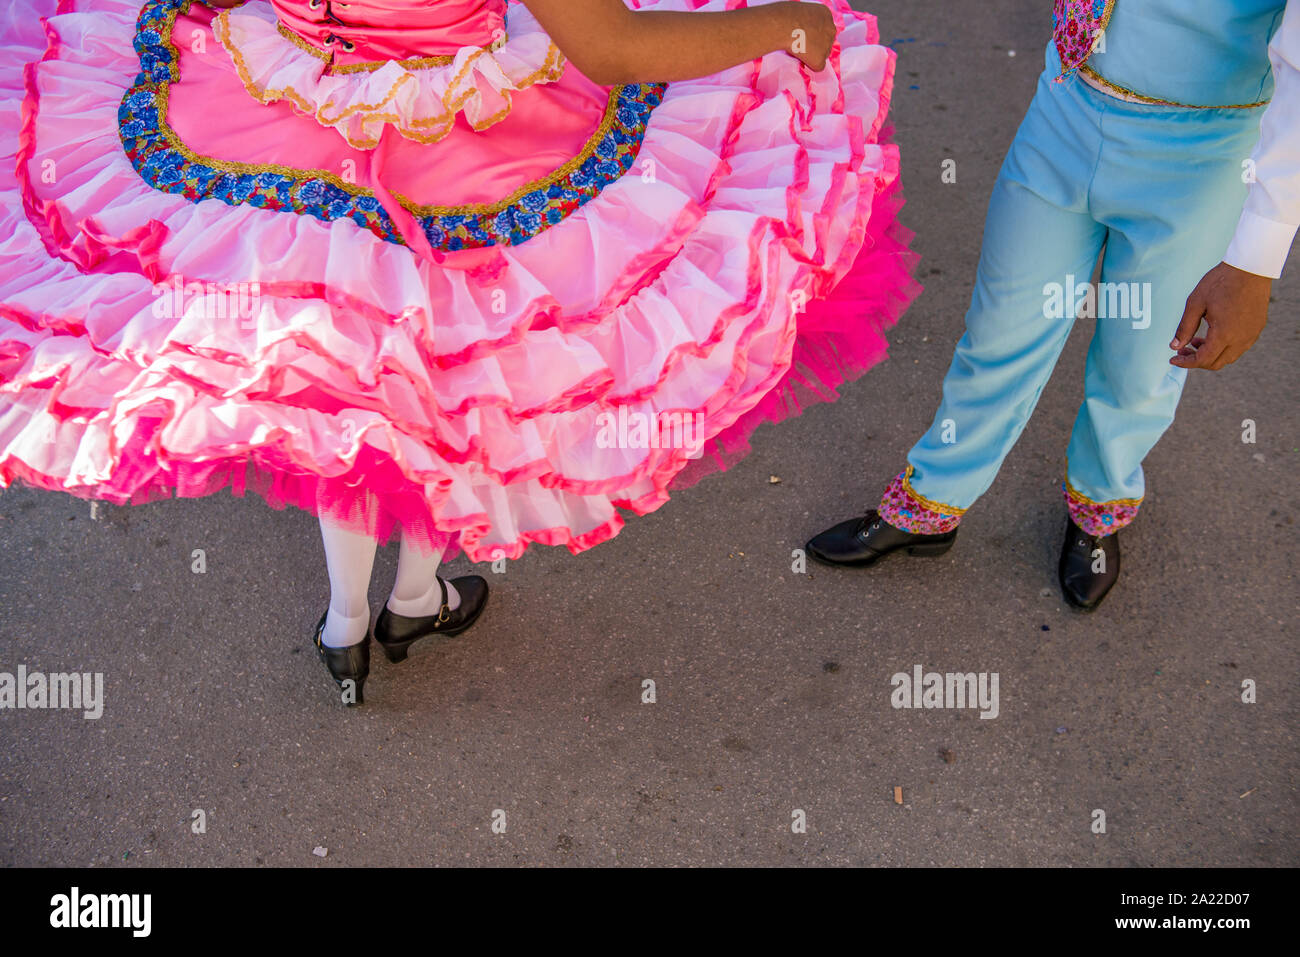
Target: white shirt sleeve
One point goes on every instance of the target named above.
(1272, 211)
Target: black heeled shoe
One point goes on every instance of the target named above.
(863, 541)
(396, 633)
(1083, 587)
(349, 666)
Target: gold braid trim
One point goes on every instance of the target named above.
(169, 23)
(1105, 22)
(413, 63)
(295, 39)
(1078, 496)
(931, 504)
(1125, 93)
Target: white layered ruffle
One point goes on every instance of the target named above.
(420, 101)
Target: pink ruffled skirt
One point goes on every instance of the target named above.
(500, 335)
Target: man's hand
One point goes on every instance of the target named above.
(1235, 306)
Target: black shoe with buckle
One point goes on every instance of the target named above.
(1089, 566)
(396, 633)
(862, 541)
(349, 666)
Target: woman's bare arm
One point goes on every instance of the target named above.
(611, 43)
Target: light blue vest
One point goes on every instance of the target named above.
(1197, 52)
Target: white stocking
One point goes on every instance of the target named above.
(350, 558)
(415, 591)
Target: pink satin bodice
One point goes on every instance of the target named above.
(363, 31)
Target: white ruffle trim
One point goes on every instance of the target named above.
(420, 102)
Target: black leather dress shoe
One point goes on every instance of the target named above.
(1086, 576)
(861, 541)
(349, 667)
(396, 633)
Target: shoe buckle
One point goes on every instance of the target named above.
(443, 613)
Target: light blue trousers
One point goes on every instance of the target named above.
(1162, 188)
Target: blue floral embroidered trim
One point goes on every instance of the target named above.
(164, 162)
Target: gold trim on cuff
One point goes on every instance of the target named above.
(1079, 496)
(929, 503)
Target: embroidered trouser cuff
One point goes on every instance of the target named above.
(1099, 518)
(903, 508)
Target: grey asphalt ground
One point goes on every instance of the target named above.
(773, 688)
